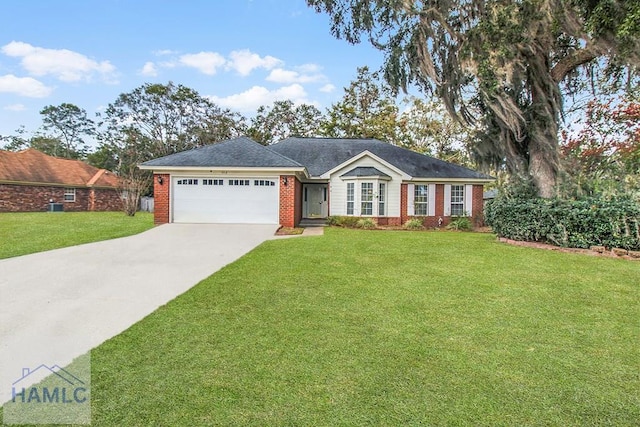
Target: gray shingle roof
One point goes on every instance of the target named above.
(365, 171)
(237, 152)
(320, 155)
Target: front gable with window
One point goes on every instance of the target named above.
(365, 187)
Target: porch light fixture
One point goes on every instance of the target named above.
(285, 181)
(160, 180)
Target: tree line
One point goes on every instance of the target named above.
(155, 120)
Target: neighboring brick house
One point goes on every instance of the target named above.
(241, 181)
(30, 180)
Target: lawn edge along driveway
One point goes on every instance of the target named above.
(57, 305)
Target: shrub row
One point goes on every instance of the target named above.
(614, 223)
(351, 222)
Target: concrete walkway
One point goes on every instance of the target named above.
(57, 305)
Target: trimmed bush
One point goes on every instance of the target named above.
(414, 224)
(333, 220)
(366, 223)
(460, 223)
(343, 221)
(568, 223)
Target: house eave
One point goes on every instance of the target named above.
(440, 180)
(227, 169)
(365, 177)
(55, 184)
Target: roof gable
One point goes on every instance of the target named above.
(35, 167)
(237, 152)
(364, 171)
(357, 161)
(321, 155)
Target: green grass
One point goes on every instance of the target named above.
(26, 233)
(384, 329)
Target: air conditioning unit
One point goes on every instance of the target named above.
(56, 207)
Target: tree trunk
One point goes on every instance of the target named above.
(542, 168)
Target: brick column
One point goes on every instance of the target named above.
(161, 193)
(439, 201)
(289, 212)
(403, 203)
(478, 205)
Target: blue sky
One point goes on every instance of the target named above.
(242, 53)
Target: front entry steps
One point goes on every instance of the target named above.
(313, 222)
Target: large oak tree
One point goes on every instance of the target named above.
(503, 64)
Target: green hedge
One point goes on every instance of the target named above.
(612, 223)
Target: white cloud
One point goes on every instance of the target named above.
(164, 52)
(15, 107)
(149, 69)
(24, 86)
(309, 68)
(250, 100)
(168, 64)
(327, 88)
(280, 75)
(244, 61)
(64, 64)
(205, 62)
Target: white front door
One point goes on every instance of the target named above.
(316, 200)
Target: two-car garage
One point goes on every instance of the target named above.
(215, 199)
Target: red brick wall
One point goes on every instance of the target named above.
(478, 205)
(388, 220)
(105, 200)
(433, 221)
(439, 211)
(161, 197)
(35, 198)
(290, 201)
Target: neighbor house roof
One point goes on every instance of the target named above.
(237, 152)
(320, 155)
(34, 167)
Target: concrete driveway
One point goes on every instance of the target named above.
(57, 305)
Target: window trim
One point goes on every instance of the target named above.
(421, 201)
(459, 201)
(368, 201)
(69, 192)
(351, 198)
(382, 198)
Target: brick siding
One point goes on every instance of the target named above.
(434, 221)
(35, 198)
(161, 193)
(290, 201)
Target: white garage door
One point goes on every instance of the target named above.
(225, 200)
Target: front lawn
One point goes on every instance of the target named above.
(385, 328)
(26, 233)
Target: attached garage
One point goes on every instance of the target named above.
(230, 200)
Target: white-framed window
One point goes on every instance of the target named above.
(382, 197)
(457, 200)
(69, 194)
(351, 199)
(241, 182)
(208, 181)
(264, 183)
(366, 198)
(189, 181)
(421, 200)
